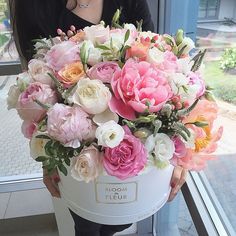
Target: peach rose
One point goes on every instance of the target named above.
(71, 73)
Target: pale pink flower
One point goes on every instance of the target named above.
(87, 165)
(62, 54)
(28, 128)
(103, 71)
(26, 106)
(127, 159)
(141, 85)
(69, 125)
(197, 83)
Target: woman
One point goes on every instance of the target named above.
(33, 19)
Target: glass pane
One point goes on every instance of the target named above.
(220, 73)
(8, 51)
(15, 159)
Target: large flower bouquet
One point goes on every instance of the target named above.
(115, 101)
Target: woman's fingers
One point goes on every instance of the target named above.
(51, 183)
(177, 180)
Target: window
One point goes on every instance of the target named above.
(209, 9)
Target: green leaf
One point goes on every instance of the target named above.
(41, 158)
(43, 136)
(139, 25)
(199, 124)
(103, 47)
(67, 161)
(179, 54)
(127, 34)
(63, 169)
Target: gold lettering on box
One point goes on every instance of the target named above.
(116, 193)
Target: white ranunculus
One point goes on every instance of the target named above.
(37, 146)
(155, 56)
(39, 72)
(105, 116)
(13, 95)
(109, 134)
(92, 95)
(188, 42)
(97, 33)
(88, 165)
(160, 146)
(23, 80)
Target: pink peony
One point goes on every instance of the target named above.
(180, 148)
(69, 125)
(62, 54)
(103, 71)
(127, 159)
(139, 84)
(26, 106)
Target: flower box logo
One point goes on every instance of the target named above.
(118, 193)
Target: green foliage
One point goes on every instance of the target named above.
(3, 39)
(228, 60)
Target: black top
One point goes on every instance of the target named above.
(42, 18)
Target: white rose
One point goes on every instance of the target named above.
(23, 80)
(13, 95)
(188, 42)
(160, 146)
(155, 56)
(37, 146)
(92, 95)
(110, 134)
(39, 72)
(87, 166)
(97, 33)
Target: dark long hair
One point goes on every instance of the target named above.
(32, 19)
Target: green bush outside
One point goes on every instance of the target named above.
(228, 60)
(224, 84)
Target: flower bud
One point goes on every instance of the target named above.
(179, 37)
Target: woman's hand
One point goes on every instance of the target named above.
(178, 179)
(51, 182)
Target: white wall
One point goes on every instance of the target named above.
(227, 9)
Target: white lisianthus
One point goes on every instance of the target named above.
(105, 116)
(176, 81)
(37, 146)
(97, 33)
(94, 54)
(23, 81)
(110, 134)
(161, 147)
(130, 27)
(188, 42)
(155, 56)
(185, 65)
(39, 72)
(88, 165)
(92, 95)
(13, 95)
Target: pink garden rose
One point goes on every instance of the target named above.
(127, 159)
(103, 71)
(69, 125)
(39, 72)
(26, 106)
(198, 83)
(139, 84)
(62, 54)
(28, 128)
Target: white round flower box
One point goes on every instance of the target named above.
(109, 200)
